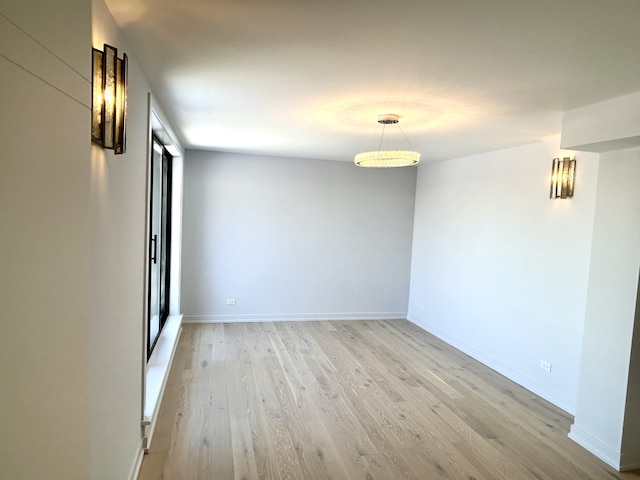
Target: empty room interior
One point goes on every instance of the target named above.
(320, 240)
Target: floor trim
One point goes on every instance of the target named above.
(134, 471)
(596, 446)
(294, 317)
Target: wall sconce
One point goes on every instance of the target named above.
(109, 107)
(563, 172)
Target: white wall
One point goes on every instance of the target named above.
(499, 270)
(609, 390)
(631, 429)
(294, 239)
(118, 240)
(606, 126)
(175, 270)
(73, 221)
(44, 237)
(610, 316)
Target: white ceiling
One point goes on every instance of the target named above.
(308, 78)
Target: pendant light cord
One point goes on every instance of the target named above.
(405, 137)
(381, 137)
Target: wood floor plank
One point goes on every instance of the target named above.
(327, 449)
(471, 378)
(351, 400)
(283, 459)
(310, 463)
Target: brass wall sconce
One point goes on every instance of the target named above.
(109, 107)
(563, 172)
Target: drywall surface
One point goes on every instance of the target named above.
(44, 236)
(119, 204)
(294, 239)
(631, 431)
(610, 313)
(499, 270)
(176, 235)
(605, 126)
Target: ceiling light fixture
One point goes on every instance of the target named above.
(388, 158)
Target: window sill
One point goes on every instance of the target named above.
(157, 372)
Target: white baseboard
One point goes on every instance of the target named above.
(629, 462)
(134, 471)
(293, 317)
(530, 384)
(596, 446)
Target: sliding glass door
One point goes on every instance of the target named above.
(159, 242)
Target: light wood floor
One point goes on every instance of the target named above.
(371, 400)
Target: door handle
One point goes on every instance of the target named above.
(154, 249)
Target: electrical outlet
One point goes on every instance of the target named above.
(231, 301)
(546, 366)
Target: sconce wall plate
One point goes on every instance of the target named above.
(563, 173)
(109, 99)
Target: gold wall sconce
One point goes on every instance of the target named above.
(563, 172)
(109, 93)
